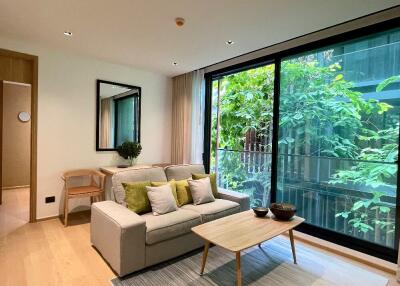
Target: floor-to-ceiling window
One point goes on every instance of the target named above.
(242, 105)
(338, 136)
(335, 155)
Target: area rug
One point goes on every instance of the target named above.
(269, 265)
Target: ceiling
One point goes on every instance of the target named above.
(143, 34)
(109, 90)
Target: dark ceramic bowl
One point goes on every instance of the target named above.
(260, 211)
(123, 166)
(283, 211)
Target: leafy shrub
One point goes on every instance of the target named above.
(129, 150)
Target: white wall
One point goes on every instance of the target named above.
(67, 112)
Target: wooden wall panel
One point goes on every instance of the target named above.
(23, 68)
(1, 142)
(17, 70)
(17, 135)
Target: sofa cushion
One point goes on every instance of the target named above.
(172, 183)
(136, 175)
(217, 209)
(183, 172)
(201, 191)
(136, 197)
(213, 181)
(170, 225)
(161, 199)
(183, 193)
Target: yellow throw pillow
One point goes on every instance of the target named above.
(213, 181)
(136, 197)
(173, 187)
(183, 193)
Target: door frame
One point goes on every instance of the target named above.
(12, 73)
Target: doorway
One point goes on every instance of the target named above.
(16, 128)
(18, 137)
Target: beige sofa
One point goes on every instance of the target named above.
(130, 242)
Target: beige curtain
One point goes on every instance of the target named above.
(181, 119)
(105, 123)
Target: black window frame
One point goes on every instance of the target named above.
(369, 248)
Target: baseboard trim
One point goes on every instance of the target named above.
(363, 258)
(60, 216)
(47, 218)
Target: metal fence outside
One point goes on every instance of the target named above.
(306, 182)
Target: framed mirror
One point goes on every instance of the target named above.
(117, 114)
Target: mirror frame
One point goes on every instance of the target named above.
(98, 82)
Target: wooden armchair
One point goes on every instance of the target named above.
(95, 189)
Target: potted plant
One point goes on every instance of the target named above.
(129, 150)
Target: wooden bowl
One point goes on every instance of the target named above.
(283, 211)
(260, 211)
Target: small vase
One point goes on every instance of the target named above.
(132, 161)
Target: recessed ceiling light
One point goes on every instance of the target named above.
(229, 42)
(68, 33)
(174, 63)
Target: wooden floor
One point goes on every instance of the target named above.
(47, 253)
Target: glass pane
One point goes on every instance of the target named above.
(125, 119)
(338, 136)
(242, 132)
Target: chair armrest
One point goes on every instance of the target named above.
(119, 235)
(99, 173)
(242, 199)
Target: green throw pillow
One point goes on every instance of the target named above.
(213, 181)
(136, 197)
(183, 193)
(173, 188)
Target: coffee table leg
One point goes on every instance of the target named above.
(293, 248)
(238, 270)
(205, 253)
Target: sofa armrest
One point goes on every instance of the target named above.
(242, 199)
(119, 235)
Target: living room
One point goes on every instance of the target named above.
(199, 142)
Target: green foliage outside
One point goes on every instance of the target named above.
(318, 108)
(245, 103)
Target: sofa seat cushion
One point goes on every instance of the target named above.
(214, 210)
(170, 225)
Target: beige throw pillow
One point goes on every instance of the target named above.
(161, 199)
(201, 191)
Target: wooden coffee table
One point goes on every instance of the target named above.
(243, 230)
